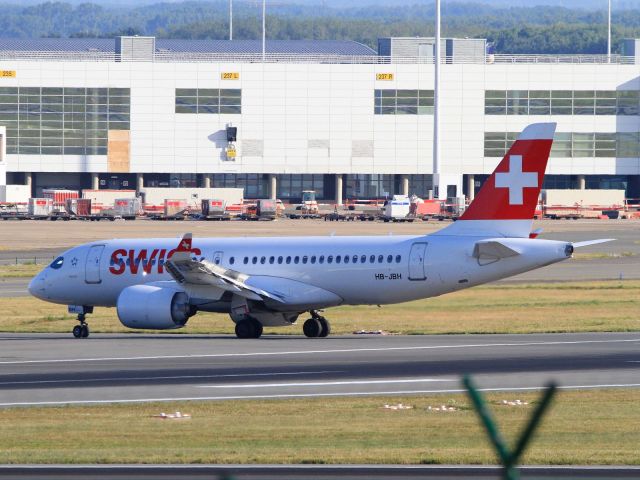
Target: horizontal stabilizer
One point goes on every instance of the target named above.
(493, 249)
(586, 243)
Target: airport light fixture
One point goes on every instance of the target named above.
(264, 29)
(609, 33)
(436, 107)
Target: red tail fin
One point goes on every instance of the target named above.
(507, 201)
(512, 190)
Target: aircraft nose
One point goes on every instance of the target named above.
(36, 285)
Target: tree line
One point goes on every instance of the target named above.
(540, 29)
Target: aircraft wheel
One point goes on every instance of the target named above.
(325, 327)
(244, 329)
(250, 328)
(256, 328)
(312, 328)
(84, 330)
(77, 331)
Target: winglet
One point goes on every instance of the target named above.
(185, 243)
(535, 233)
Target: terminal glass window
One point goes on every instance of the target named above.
(403, 102)
(209, 100)
(369, 186)
(254, 184)
(562, 102)
(57, 120)
(291, 186)
(572, 145)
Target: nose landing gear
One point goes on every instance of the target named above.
(82, 330)
(316, 326)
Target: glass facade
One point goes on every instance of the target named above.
(403, 102)
(419, 185)
(255, 184)
(562, 102)
(291, 186)
(369, 186)
(595, 144)
(208, 100)
(57, 120)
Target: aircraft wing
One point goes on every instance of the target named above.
(277, 292)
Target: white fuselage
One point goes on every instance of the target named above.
(359, 270)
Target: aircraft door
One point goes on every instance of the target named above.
(92, 267)
(217, 257)
(416, 261)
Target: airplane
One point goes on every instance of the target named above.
(269, 282)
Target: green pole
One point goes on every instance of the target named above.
(508, 459)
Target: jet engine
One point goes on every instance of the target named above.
(152, 307)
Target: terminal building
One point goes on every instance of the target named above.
(336, 117)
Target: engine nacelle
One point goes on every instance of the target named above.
(151, 307)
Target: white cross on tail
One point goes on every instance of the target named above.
(516, 180)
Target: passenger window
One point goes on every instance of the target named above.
(246, 260)
(398, 258)
(231, 260)
(279, 259)
(288, 260)
(355, 259)
(313, 259)
(272, 260)
(389, 258)
(263, 259)
(305, 259)
(296, 259)
(321, 259)
(380, 258)
(363, 259)
(372, 259)
(330, 259)
(346, 259)
(338, 258)
(254, 260)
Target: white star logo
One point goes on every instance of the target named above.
(185, 245)
(516, 180)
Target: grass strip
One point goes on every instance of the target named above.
(582, 427)
(610, 306)
(21, 270)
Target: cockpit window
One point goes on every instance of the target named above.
(57, 263)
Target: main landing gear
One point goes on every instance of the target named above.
(82, 330)
(248, 328)
(316, 326)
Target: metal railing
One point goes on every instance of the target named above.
(215, 57)
(33, 260)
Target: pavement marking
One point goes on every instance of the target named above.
(313, 352)
(326, 384)
(304, 395)
(176, 377)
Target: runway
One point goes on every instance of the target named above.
(52, 369)
(307, 472)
